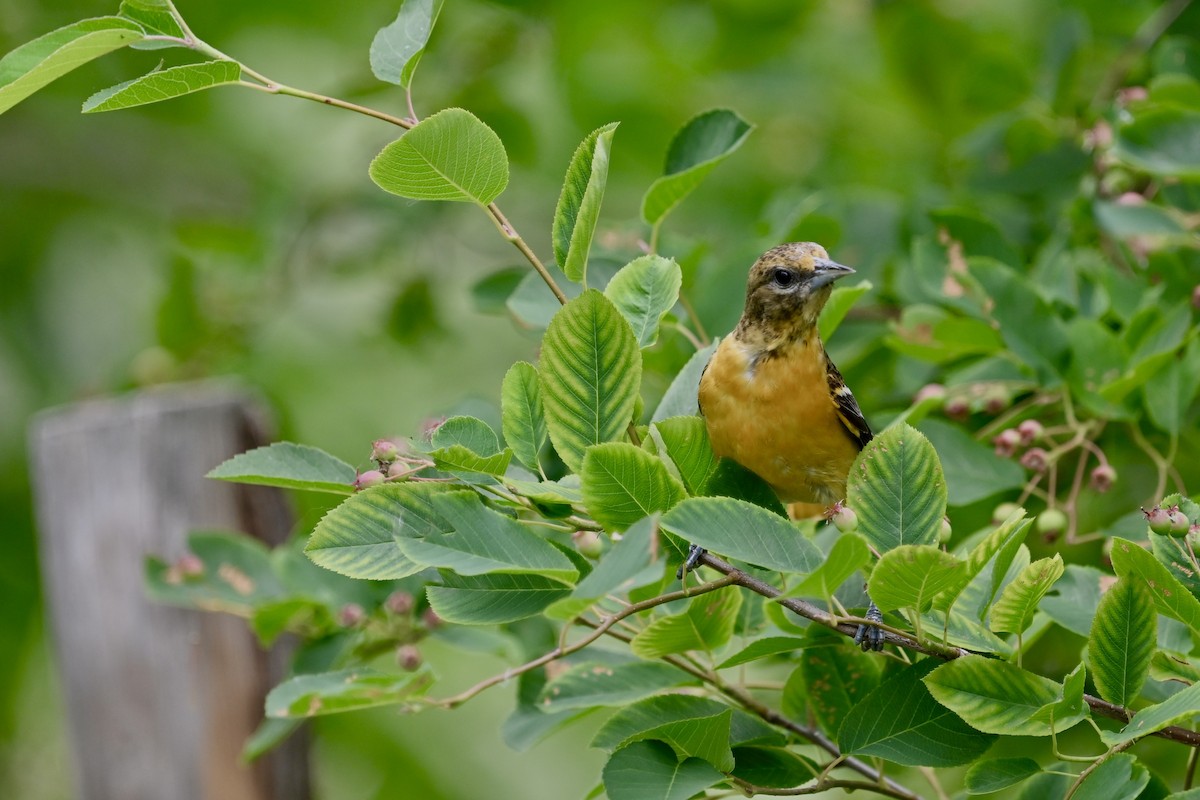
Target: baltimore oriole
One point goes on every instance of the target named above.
(772, 399)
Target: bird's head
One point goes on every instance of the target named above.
(788, 287)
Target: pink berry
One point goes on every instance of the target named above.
(408, 657)
(190, 565)
(399, 603)
(1158, 519)
(371, 477)
(1030, 430)
(930, 391)
(384, 450)
(351, 615)
(956, 408)
(430, 618)
(1102, 478)
(1006, 442)
(1034, 459)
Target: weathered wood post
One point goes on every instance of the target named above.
(159, 700)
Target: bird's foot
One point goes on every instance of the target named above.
(869, 637)
(693, 558)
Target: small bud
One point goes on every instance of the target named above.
(384, 450)
(430, 619)
(956, 408)
(996, 399)
(1031, 431)
(1034, 459)
(1102, 478)
(408, 657)
(588, 543)
(1178, 522)
(1003, 512)
(1051, 523)
(1196, 297)
(1130, 199)
(397, 469)
(930, 391)
(351, 615)
(844, 519)
(1006, 442)
(1158, 519)
(945, 532)
(399, 603)
(1132, 94)
(371, 477)
(190, 565)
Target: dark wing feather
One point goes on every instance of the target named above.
(847, 407)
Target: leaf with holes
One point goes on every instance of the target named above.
(165, 84)
(909, 576)
(290, 466)
(706, 625)
(1122, 641)
(579, 203)
(1013, 612)
(622, 484)
(523, 420)
(897, 489)
(644, 290)
(699, 146)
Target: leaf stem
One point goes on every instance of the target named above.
(510, 233)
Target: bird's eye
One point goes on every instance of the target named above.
(783, 277)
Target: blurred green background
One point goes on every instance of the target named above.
(232, 233)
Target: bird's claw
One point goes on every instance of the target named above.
(695, 552)
(870, 637)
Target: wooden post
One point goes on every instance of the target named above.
(159, 700)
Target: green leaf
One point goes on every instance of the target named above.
(965, 631)
(744, 531)
(1126, 221)
(1070, 703)
(1166, 666)
(691, 729)
(468, 445)
(270, 733)
(632, 722)
(397, 48)
(763, 648)
(522, 418)
(491, 292)
(480, 540)
(650, 771)
(1170, 596)
(707, 624)
(450, 155)
(835, 677)
(1164, 141)
(164, 85)
(1179, 708)
(1029, 325)
(1122, 641)
(579, 203)
(849, 554)
(1170, 398)
(492, 599)
(973, 471)
(685, 440)
(773, 767)
(987, 564)
(47, 58)
(909, 576)
(528, 724)
(1120, 777)
(644, 290)
(291, 466)
(597, 684)
(1013, 612)
(1078, 596)
(154, 16)
(460, 461)
(996, 697)
(840, 301)
(590, 371)
(626, 566)
(358, 538)
(897, 489)
(345, 690)
(901, 722)
(994, 774)
(237, 577)
(699, 146)
(622, 484)
(680, 398)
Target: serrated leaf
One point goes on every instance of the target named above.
(835, 677)
(650, 771)
(773, 767)
(701, 736)
(1070, 703)
(744, 531)
(1013, 612)
(288, 465)
(579, 203)
(706, 625)
(1121, 642)
(897, 489)
(994, 774)
(397, 48)
(470, 432)
(680, 398)
(622, 484)
(154, 16)
(840, 301)
(47, 58)
(480, 540)
(522, 418)
(699, 146)
(598, 684)
(590, 373)
(764, 648)
(1120, 777)
(996, 697)
(685, 440)
(914, 730)
(848, 555)
(459, 460)
(644, 290)
(1170, 596)
(730, 479)
(345, 690)
(628, 565)
(627, 725)
(358, 538)
(1179, 708)
(164, 85)
(1166, 666)
(964, 631)
(972, 470)
(451, 155)
(987, 564)
(492, 599)
(909, 576)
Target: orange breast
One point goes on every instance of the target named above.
(778, 420)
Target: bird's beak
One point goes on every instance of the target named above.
(828, 272)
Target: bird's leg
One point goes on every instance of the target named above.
(693, 558)
(869, 637)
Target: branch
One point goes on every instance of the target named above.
(822, 785)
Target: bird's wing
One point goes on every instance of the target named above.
(847, 407)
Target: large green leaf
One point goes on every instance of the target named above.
(1070, 703)
(1120, 777)
(622, 484)
(1170, 596)
(987, 564)
(628, 565)
(450, 155)
(528, 724)
(686, 445)
(840, 301)
(639, 720)
(835, 675)
(480, 540)
(644, 290)
(1030, 326)
(590, 371)
(897, 489)
(706, 625)
(397, 48)
(291, 466)
(699, 729)
(849, 554)
(996, 697)
(1166, 666)
(973, 471)
(164, 85)
(901, 722)
(744, 531)
(579, 203)
(699, 146)
(1174, 389)
(994, 774)
(468, 445)
(522, 417)
(763, 648)
(680, 398)
(599, 684)
(1122, 641)
(651, 771)
(345, 690)
(1013, 612)
(237, 576)
(1077, 595)
(773, 767)
(909, 576)
(47, 58)
(1177, 709)
(492, 599)
(1164, 141)
(154, 16)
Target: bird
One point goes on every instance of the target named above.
(775, 403)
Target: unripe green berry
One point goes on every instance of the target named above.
(1178, 522)
(844, 519)
(1051, 523)
(384, 450)
(945, 532)
(1158, 519)
(588, 543)
(1003, 512)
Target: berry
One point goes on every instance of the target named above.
(930, 391)
(1193, 536)
(384, 451)
(844, 519)
(996, 399)
(351, 615)
(1051, 523)
(1006, 443)
(190, 565)
(371, 477)
(945, 532)
(956, 408)
(1034, 459)
(1158, 520)
(430, 619)
(1196, 297)
(397, 469)
(1030, 430)
(408, 657)
(1003, 512)
(399, 603)
(588, 543)
(1177, 521)
(1102, 478)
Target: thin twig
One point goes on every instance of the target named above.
(817, 787)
